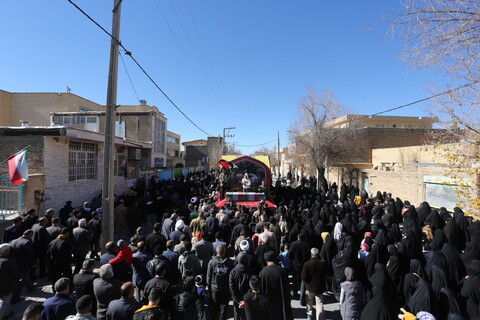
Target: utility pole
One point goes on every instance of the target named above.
(278, 151)
(226, 134)
(108, 187)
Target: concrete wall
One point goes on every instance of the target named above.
(5, 109)
(36, 107)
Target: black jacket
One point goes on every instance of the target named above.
(189, 307)
(22, 251)
(299, 253)
(9, 275)
(60, 252)
(218, 273)
(239, 282)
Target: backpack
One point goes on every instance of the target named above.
(185, 306)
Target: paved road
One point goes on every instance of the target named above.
(43, 290)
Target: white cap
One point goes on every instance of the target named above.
(179, 225)
(244, 245)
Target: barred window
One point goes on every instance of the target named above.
(120, 163)
(82, 161)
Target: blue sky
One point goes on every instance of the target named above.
(242, 64)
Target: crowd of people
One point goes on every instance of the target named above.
(379, 256)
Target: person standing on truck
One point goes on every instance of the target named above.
(246, 182)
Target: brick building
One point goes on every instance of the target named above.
(66, 164)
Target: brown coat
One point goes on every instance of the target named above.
(313, 273)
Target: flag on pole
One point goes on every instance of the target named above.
(18, 167)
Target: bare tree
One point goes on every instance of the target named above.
(445, 35)
(230, 148)
(441, 33)
(315, 142)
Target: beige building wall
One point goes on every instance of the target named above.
(36, 107)
(5, 108)
(360, 121)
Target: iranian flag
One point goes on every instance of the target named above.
(18, 167)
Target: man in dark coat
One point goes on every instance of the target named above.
(298, 253)
(22, 252)
(9, 277)
(41, 239)
(59, 257)
(81, 240)
(55, 229)
(239, 285)
(152, 310)
(275, 286)
(125, 307)
(204, 251)
(256, 304)
(156, 239)
(14, 231)
(60, 305)
(65, 213)
(94, 226)
(218, 283)
(83, 282)
(159, 281)
(313, 275)
(140, 273)
(106, 289)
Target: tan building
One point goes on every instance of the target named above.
(35, 108)
(365, 121)
(174, 155)
(412, 173)
(140, 123)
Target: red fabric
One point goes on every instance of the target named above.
(124, 254)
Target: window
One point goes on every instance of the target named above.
(172, 140)
(159, 138)
(120, 164)
(380, 125)
(82, 161)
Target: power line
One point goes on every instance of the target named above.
(185, 54)
(425, 99)
(205, 53)
(194, 51)
(129, 53)
(256, 145)
(130, 79)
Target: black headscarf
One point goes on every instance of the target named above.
(438, 240)
(448, 303)
(452, 233)
(410, 281)
(472, 252)
(456, 270)
(423, 211)
(439, 280)
(423, 299)
(470, 291)
(378, 307)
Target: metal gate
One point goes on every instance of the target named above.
(11, 197)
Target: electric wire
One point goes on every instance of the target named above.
(184, 53)
(209, 64)
(130, 79)
(256, 145)
(194, 51)
(129, 53)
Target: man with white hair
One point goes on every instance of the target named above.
(106, 289)
(313, 274)
(81, 240)
(9, 276)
